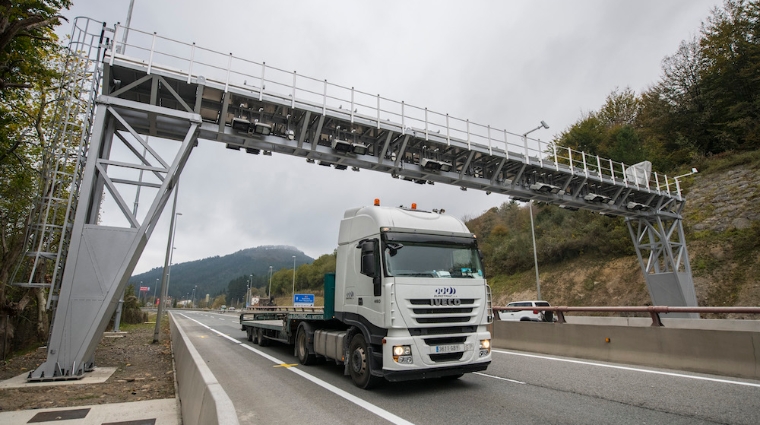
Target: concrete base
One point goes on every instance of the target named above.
(163, 412)
(97, 376)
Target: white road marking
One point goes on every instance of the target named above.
(390, 417)
(498, 377)
(632, 369)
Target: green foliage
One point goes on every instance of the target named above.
(130, 310)
(707, 101)
(505, 238)
(309, 277)
(219, 301)
(29, 79)
(27, 40)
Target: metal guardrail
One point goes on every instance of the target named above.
(654, 311)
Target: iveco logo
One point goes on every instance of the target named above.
(445, 301)
(446, 291)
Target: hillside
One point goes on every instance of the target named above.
(581, 265)
(212, 275)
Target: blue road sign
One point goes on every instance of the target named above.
(303, 300)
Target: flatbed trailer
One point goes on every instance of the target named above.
(263, 326)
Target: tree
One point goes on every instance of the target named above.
(219, 301)
(730, 47)
(26, 40)
(29, 64)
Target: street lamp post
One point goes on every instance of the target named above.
(167, 262)
(294, 280)
(530, 211)
(269, 292)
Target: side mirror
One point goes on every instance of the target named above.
(367, 257)
(370, 261)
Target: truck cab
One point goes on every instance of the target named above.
(411, 288)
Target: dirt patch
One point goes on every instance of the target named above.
(144, 371)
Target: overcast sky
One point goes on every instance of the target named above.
(509, 64)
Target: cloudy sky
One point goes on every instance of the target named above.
(509, 64)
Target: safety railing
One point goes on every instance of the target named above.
(653, 311)
(188, 61)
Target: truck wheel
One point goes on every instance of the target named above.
(249, 333)
(302, 348)
(360, 365)
(263, 342)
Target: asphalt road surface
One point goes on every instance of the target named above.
(268, 386)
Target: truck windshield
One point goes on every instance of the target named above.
(431, 260)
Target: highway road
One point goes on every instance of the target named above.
(267, 386)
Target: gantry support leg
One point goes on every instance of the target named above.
(661, 248)
(102, 258)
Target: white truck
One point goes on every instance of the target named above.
(408, 300)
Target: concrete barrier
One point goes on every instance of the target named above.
(721, 352)
(202, 398)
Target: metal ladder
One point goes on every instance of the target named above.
(63, 167)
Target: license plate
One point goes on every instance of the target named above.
(452, 348)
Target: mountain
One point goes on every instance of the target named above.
(211, 275)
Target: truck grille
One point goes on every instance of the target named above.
(445, 311)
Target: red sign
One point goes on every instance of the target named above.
(144, 288)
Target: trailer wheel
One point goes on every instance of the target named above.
(360, 366)
(263, 342)
(249, 333)
(302, 348)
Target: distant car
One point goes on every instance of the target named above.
(534, 315)
(231, 309)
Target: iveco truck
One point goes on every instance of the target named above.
(408, 300)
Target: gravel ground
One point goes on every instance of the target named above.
(144, 372)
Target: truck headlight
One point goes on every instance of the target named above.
(485, 347)
(402, 354)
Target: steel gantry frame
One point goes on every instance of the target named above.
(162, 88)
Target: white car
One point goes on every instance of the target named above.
(534, 315)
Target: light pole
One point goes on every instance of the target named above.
(126, 29)
(154, 292)
(530, 211)
(193, 299)
(269, 292)
(294, 280)
(248, 292)
(167, 262)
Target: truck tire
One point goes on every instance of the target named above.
(302, 348)
(249, 333)
(263, 342)
(360, 366)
